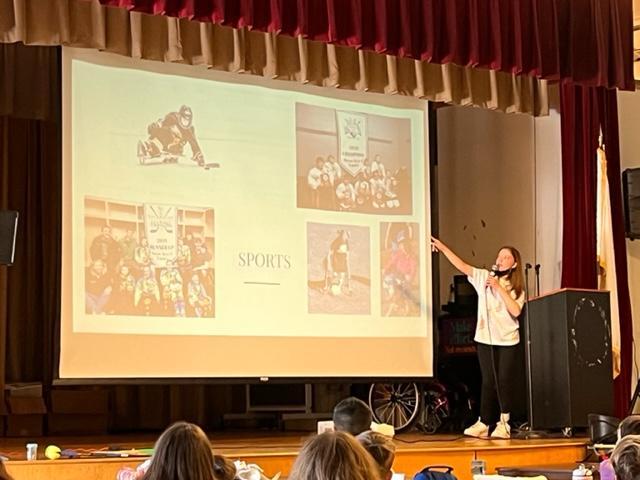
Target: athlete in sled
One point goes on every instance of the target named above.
(168, 138)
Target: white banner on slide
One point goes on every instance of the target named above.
(161, 229)
(352, 140)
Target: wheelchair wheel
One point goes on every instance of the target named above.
(396, 404)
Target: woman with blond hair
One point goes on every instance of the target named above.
(334, 456)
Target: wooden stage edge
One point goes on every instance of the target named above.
(276, 452)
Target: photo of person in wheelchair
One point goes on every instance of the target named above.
(337, 276)
(339, 269)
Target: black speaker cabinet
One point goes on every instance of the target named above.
(631, 194)
(569, 364)
(8, 228)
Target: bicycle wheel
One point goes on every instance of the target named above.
(396, 404)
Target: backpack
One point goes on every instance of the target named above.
(429, 473)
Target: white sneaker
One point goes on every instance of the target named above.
(477, 430)
(502, 430)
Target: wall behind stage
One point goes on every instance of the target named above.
(499, 182)
(629, 119)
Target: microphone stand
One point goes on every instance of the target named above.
(537, 270)
(526, 434)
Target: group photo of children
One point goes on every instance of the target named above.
(122, 277)
(373, 190)
(360, 163)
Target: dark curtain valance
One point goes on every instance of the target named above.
(588, 42)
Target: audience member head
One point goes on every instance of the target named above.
(625, 458)
(223, 468)
(382, 449)
(629, 426)
(98, 267)
(4, 475)
(319, 162)
(334, 456)
(182, 453)
(352, 415)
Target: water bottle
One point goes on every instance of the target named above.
(582, 473)
(478, 467)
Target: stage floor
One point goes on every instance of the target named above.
(276, 452)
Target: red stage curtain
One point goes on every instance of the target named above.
(588, 42)
(608, 107)
(586, 110)
(84, 24)
(580, 128)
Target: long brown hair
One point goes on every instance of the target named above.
(182, 452)
(4, 475)
(334, 456)
(515, 276)
(223, 468)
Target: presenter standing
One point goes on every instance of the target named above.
(500, 301)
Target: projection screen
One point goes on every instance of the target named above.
(218, 225)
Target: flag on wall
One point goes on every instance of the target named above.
(606, 255)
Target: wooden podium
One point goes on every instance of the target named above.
(568, 358)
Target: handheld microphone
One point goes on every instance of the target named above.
(494, 271)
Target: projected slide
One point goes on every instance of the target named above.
(218, 228)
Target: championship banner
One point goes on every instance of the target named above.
(352, 141)
(161, 229)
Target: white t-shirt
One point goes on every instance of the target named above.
(345, 191)
(337, 171)
(314, 177)
(378, 167)
(501, 327)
